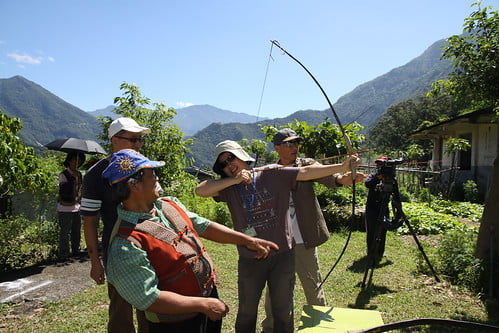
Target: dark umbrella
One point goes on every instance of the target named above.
(78, 145)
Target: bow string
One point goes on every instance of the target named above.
(348, 146)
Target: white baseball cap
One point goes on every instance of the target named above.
(125, 124)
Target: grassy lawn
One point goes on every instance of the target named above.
(398, 291)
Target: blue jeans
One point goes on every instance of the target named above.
(278, 272)
(69, 228)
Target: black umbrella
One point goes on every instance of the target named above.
(78, 145)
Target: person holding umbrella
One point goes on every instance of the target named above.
(68, 205)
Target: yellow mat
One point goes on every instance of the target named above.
(327, 319)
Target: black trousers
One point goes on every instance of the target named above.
(199, 324)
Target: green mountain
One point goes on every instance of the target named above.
(193, 118)
(206, 139)
(45, 116)
(365, 104)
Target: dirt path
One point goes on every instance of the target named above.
(30, 288)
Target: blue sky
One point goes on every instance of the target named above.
(185, 52)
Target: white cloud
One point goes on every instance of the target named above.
(25, 59)
(184, 104)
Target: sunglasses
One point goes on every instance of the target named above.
(292, 143)
(139, 176)
(132, 140)
(227, 161)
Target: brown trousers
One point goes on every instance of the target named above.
(121, 315)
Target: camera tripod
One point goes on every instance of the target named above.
(389, 193)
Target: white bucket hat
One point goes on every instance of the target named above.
(234, 148)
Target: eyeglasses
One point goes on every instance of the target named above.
(227, 161)
(132, 140)
(139, 176)
(292, 143)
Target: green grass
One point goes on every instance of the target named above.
(398, 291)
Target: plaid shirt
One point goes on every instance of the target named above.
(129, 269)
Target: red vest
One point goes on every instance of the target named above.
(177, 255)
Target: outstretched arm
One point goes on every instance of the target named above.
(211, 188)
(221, 234)
(311, 172)
(346, 178)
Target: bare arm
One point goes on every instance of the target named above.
(173, 303)
(211, 188)
(311, 172)
(221, 234)
(90, 224)
(346, 178)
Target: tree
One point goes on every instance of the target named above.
(323, 140)
(164, 143)
(393, 129)
(475, 80)
(259, 149)
(19, 167)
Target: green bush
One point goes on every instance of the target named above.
(471, 193)
(426, 221)
(424, 195)
(25, 242)
(208, 208)
(405, 196)
(467, 210)
(222, 214)
(340, 217)
(454, 258)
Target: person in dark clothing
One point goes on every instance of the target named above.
(375, 231)
(68, 206)
(98, 203)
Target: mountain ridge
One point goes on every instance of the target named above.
(193, 118)
(20, 97)
(45, 116)
(364, 104)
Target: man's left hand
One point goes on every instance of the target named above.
(346, 178)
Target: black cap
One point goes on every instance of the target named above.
(286, 134)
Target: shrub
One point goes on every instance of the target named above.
(405, 196)
(340, 217)
(425, 221)
(455, 258)
(222, 214)
(425, 195)
(471, 193)
(467, 210)
(25, 242)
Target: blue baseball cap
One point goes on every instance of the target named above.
(126, 163)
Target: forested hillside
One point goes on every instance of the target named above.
(45, 116)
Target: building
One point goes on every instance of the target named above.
(481, 129)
